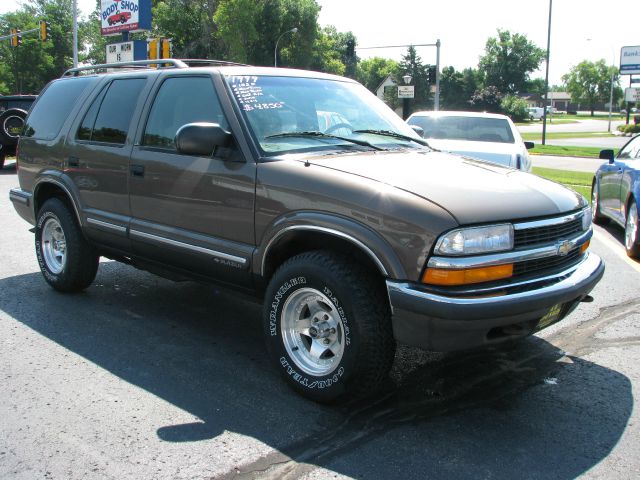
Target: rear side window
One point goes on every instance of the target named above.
(54, 106)
(109, 115)
(179, 101)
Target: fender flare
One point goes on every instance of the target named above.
(362, 237)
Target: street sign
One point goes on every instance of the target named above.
(126, 51)
(632, 94)
(405, 91)
(630, 60)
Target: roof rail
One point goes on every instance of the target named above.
(174, 63)
(158, 63)
(205, 61)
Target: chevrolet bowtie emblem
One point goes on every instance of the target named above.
(564, 247)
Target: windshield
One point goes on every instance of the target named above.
(477, 129)
(293, 114)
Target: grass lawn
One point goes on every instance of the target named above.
(555, 121)
(578, 181)
(537, 137)
(588, 152)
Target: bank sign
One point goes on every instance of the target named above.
(630, 60)
(124, 16)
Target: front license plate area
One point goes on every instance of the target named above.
(553, 315)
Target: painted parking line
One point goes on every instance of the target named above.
(616, 248)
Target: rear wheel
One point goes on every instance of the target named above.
(67, 261)
(631, 234)
(328, 327)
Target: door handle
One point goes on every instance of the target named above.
(137, 170)
(73, 161)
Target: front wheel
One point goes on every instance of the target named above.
(328, 327)
(596, 214)
(67, 261)
(631, 235)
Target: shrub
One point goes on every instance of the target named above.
(515, 107)
(629, 129)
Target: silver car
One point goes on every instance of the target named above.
(485, 136)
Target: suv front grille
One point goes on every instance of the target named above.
(548, 234)
(550, 264)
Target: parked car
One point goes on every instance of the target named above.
(535, 113)
(357, 241)
(615, 193)
(486, 136)
(13, 111)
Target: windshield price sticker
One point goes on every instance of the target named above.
(248, 93)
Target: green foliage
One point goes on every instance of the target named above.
(508, 61)
(629, 129)
(372, 71)
(590, 83)
(536, 86)
(457, 88)
(412, 64)
(514, 107)
(487, 99)
(334, 52)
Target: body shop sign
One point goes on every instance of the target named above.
(124, 16)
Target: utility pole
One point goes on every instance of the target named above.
(436, 100)
(546, 80)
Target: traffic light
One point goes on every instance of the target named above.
(153, 49)
(166, 48)
(432, 74)
(16, 38)
(45, 29)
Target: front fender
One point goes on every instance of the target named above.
(365, 239)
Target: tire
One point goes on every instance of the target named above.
(11, 123)
(632, 231)
(348, 350)
(596, 214)
(67, 261)
(2, 157)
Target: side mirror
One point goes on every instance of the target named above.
(201, 138)
(529, 145)
(418, 130)
(606, 155)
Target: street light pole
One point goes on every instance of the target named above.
(436, 100)
(405, 100)
(546, 80)
(275, 51)
(75, 33)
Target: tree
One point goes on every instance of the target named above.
(457, 88)
(487, 99)
(412, 64)
(508, 61)
(590, 83)
(372, 71)
(514, 107)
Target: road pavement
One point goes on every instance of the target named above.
(143, 378)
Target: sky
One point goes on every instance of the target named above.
(463, 27)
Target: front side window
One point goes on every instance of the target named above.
(109, 115)
(297, 114)
(181, 100)
(631, 149)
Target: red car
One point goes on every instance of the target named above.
(121, 17)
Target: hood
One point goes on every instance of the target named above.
(470, 190)
(501, 153)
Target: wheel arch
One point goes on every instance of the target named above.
(52, 188)
(358, 242)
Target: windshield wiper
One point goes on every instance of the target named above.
(314, 133)
(389, 133)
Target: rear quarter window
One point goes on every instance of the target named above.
(54, 106)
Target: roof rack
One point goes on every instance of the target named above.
(158, 63)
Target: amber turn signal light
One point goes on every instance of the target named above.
(584, 246)
(440, 276)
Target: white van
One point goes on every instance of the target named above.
(535, 113)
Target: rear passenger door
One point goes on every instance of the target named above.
(192, 212)
(98, 160)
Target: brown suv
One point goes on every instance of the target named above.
(306, 188)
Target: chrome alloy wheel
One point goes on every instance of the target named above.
(594, 203)
(54, 246)
(631, 227)
(312, 332)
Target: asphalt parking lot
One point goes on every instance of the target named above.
(140, 377)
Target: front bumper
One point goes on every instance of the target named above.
(443, 323)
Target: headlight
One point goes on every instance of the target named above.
(586, 219)
(469, 241)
